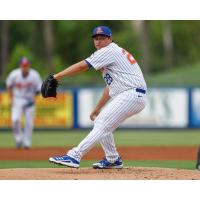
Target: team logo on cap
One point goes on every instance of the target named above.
(99, 30)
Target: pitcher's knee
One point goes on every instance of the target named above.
(104, 127)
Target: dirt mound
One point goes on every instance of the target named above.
(130, 173)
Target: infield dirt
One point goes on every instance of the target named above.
(130, 173)
(127, 153)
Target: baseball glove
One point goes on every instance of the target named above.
(49, 87)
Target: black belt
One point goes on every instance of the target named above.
(140, 90)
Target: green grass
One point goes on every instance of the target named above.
(122, 138)
(179, 76)
(86, 163)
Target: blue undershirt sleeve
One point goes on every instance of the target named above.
(89, 65)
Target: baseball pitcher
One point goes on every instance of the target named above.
(125, 86)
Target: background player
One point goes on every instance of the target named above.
(23, 84)
(125, 86)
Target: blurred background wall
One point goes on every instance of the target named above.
(167, 51)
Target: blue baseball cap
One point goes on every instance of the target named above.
(102, 30)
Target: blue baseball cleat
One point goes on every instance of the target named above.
(105, 164)
(65, 160)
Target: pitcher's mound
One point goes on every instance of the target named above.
(131, 173)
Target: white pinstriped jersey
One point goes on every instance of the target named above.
(24, 87)
(119, 69)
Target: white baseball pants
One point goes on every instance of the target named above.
(113, 114)
(22, 137)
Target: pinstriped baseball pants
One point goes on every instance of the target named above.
(124, 105)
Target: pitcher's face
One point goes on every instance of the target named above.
(101, 41)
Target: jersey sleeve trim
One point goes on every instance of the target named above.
(89, 64)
